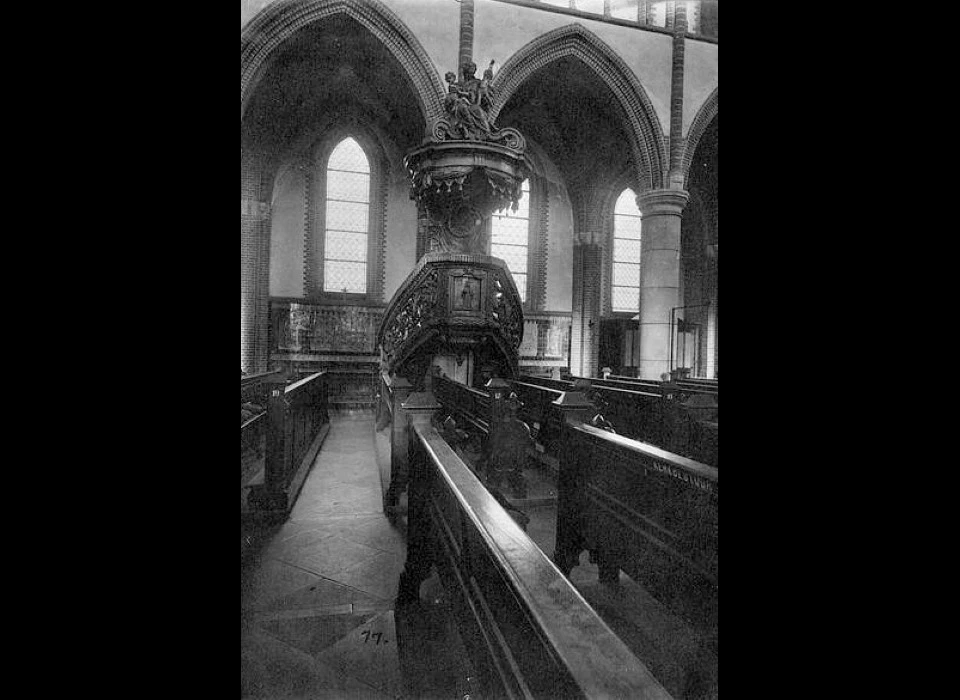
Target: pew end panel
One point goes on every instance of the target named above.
(644, 511)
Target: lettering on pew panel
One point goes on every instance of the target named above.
(644, 511)
(654, 500)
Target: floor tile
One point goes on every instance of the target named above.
(369, 652)
(269, 668)
(294, 606)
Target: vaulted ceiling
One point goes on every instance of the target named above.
(575, 118)
(327, 69)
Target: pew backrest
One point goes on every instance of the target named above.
(470, 405)
(254, 388)
(528, 631)
(639, 503)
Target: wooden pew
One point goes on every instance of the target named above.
(251, 435)
(297, 422)
(471, 405)
(559, 384)
(254, 394)
(628, 383)
(647, 512)
(505, 446)
(700, 381)
(255, 388)
(645, 482)
(527, 630)
(686, 424)
(638, 414)
(540, 413)
(688, 387)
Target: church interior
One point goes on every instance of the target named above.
(479, 348)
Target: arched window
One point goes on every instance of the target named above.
(510, 240)
(626, 253)
(345, 242)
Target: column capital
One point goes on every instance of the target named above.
(663, 202)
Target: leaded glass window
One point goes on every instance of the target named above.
(627, 243)
(347, 220)
(511, 239)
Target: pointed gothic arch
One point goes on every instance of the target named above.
(268, 31)
(708, 112)
(647, 140)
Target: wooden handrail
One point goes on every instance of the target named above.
(255, 387)
(694, 469)
(260, 376)
(259, 418)
(530, 633)
(292, 391)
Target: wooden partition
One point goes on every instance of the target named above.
(679, 419)
(540, 413)
(393, 393)
(528, 631)
(687, 387)
(254, 389)
(473, 406)
(647, 512)
(251, 435)
(296, 422)
(638, 414)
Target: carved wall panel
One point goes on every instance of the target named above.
(319, 329)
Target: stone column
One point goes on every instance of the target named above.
(587, 293)
(659, 277)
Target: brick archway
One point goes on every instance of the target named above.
(647, 140)
(704, 119)
(267, 32)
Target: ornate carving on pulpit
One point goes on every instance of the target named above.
(459, 192)
(469, 169)
(470, 306)
(467, 108)
(507, 316)
(418, 309)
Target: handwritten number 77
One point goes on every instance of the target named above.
(367, 635)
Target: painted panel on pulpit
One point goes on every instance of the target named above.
(466, 293)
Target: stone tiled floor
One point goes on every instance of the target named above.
(316, 593)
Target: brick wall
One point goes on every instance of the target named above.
(254, 265)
